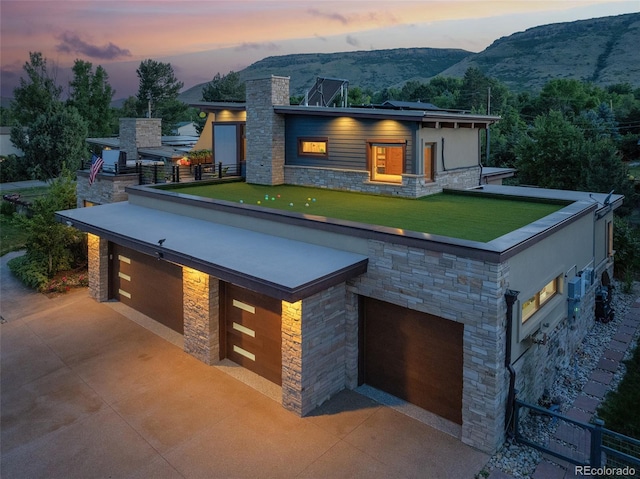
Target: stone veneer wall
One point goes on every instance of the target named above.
(458, 289)
(313, 349)
(98, 267)
(201, 315)
(265, 130)
(139, 133)
(105, 189)
(413, 186)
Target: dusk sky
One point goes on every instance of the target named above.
(202, 38)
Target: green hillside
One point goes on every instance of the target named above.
(601, 50)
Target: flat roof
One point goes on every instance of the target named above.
(279, 267)
(386, 113)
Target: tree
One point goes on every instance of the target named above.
(158, 93)
(504, 135)
(357, 96)
(474, 90)
(53, 141)
(551, 154)
(37, 94)
(51, 246)
(570, 97)
(227, 87)
(91, 94)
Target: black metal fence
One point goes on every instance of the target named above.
(575, 442)
(154, 173)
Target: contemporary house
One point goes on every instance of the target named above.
(316, 302)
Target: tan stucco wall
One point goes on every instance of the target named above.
(461, 146)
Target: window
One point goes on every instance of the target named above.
(387, 161)
(536, 302)
(313, 147)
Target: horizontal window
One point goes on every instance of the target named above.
(536, 302)
(313, 147)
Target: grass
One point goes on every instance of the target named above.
(459, 216)
(29, 194)
(13, 234)
(620, 410)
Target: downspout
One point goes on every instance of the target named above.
(444, 168)
(510, 296)
(480, 159)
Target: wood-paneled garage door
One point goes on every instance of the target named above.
(414, 356)
(253, 336)
(147, 285)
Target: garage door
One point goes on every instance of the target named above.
(414, 356)
(147, 285)
(253, 324)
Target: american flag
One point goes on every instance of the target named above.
(96, 165)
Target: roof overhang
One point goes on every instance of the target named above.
(387, 114)
(279, 267)
(216, 106)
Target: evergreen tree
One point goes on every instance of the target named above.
(37, 94)
(227, 87)
(91, 94)
(158, 94)
(53, 141)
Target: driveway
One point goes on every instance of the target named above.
(88, 393)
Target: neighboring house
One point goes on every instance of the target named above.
(186, 128)
(6, 146)
(141, 142)
(317, 304)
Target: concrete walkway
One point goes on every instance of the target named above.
(88, 393)
(575, 442)
(572, 441)
(17, 185)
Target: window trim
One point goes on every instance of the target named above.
(313, 139)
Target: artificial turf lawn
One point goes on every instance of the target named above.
(467, 217)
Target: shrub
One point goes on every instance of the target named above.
(13, 168)
(51, 246)
(7, 208)
(32, 273)
(626, 243)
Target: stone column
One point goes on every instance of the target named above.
(201, 315)
(265, 130)
(98, 267)
(139, 133)
(313, 349)
(485, 378)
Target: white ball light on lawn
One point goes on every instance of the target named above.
(290, 204)
(241, 201)
(306, 204)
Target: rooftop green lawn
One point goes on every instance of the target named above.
(464, 216)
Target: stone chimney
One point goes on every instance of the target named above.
(265, 130)
(139, 133)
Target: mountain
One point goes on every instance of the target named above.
(375, 69)
(600, 50)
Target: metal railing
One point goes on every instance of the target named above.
(154, 173)
(576, 442)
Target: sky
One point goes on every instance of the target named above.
(204, 37)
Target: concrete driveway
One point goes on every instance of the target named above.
(88, 393)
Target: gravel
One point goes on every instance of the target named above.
(520, 461)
